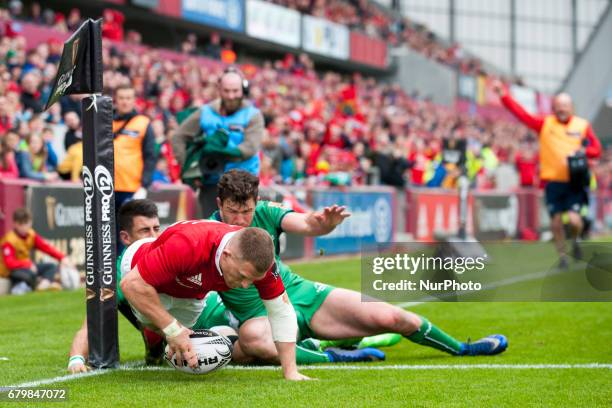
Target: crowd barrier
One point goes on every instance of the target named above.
(492, 215)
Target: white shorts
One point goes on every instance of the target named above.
(186, 311)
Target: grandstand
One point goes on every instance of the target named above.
(360, 101)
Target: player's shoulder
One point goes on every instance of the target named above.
(201, 228)
(264, 205)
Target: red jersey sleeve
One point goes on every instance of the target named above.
(593, 147)
(11, 262)
(47, 248)
(529, 120)
(271, 286)
(163, 263)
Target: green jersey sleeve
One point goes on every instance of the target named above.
(120, 297)
(269, 216)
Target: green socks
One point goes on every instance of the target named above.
(381, 340)
(429, 335)
(304, 355)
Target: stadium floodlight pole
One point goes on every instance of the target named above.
(80, 72)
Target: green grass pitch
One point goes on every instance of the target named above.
(36, 331)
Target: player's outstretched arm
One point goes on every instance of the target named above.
(283, 322)
(286, 355)
(315, 223)
(144, 298)
(77, 362)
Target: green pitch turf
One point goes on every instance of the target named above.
(36, 332)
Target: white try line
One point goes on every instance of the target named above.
(339, 367)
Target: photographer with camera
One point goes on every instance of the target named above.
(222, 135)
(566, 142)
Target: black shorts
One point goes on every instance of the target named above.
(561, 197)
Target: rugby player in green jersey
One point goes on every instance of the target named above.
(323, 312)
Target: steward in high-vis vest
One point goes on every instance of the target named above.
(134, 143)
(222, 135)
(565, 140)
(134, 146)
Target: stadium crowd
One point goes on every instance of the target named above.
(372, 19)
(321, 127)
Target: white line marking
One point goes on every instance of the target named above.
(340, 367)
(4, 359)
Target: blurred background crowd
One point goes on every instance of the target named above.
(322, 128)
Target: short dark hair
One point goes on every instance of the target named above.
(123, 87)
(134, 208)
(238, 186)
(22, 216)
(255, 246)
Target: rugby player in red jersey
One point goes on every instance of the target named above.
(171, 275)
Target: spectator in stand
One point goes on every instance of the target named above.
(30, 94)
(74, 20)
(36, 14)
(112, 27)
(59, 23)
(526, 162)
(7, 116)
(72, 166)
(561, 135)
(48, 136)
(134, 142)
(73, 133)
(213, 49)
(31, 160)
(8, 165)
(16, 9)
(228, 55)
(16, 264)
(71, 103)
(160, 175)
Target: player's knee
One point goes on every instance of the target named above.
(254, 343)
(392, 320)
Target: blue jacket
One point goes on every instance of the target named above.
(235, 124)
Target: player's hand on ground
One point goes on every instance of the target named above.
(77, 365)
(79, 368)
(296, 376)
(181, 346)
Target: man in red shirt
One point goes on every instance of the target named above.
(171, 275)
(561, 135)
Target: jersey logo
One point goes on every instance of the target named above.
(275, 271)
(196, 279)
(277, 205)
(576, 134)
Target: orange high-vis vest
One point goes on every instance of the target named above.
(23, 248)
(557, 142)
(129, 162)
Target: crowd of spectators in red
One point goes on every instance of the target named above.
(370, 18)
(321, 127)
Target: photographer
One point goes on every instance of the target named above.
(566, 141)
(222, 135)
